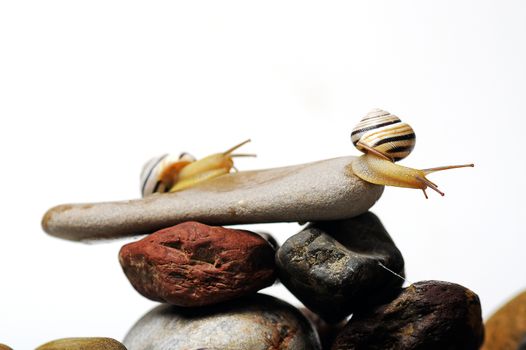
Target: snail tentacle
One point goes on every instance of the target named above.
(440, 168)
(430, 185)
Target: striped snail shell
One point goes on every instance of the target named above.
(385, 133)
(159, 174)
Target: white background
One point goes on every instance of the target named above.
(90, 90)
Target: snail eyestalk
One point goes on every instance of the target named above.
(447, 167)
(432, 170)
(238, 155)
(232, 149)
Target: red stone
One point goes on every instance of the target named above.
(192, 264)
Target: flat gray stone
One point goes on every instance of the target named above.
(258, 322)
(323, 190)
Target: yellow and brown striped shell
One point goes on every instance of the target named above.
(385, 133)
(159, 174)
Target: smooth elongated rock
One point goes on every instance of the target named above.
(323, 190)
(192, 264)
(259, 322)
(83, 344)
(337, 267)
(432, 315)
(506, 328)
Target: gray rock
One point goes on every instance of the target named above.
(259, 322)
(323, 190)
(338, 267)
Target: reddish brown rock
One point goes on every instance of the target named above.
(426, 315)
(192, 264)
(506, 329)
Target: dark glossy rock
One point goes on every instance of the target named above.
(336, 267)
(83, 344)
(327, 332)
(258, 322)
(506, 328)
(269, 238)
(192, 264)
(426, 315)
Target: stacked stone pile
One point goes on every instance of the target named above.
(343, 266)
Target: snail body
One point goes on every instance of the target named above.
(167, 174)
(384, 139)
(209, 167)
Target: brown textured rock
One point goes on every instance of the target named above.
(426, 315)
(192, 264)
(4, 347)
(83, 344)
(506, 329)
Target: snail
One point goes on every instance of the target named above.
(170, 174)
(385, 139)
(160, 173)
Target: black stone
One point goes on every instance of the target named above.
(522, 344)
(327, 332)
(338, 267)
(426, 315)
(269, 238)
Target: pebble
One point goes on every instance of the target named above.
(192, 264)
(506, 328)
(83, 344)
(269, 238)
(426, 315)
(334, 268)
(4, 347)
(327, 332)
(323, 190)
(258, 322)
